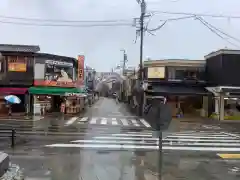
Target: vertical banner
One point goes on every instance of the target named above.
(80, 78)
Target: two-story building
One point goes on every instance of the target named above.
(222, 76)
(182, 82)
(55, 84)
(16, 75)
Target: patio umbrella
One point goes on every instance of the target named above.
(12, 99)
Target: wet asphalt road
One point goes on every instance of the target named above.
(107, 142)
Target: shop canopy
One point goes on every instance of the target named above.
(53, 90)
(180, 90)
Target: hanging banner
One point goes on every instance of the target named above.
(80, 78)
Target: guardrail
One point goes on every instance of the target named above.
(11, 134)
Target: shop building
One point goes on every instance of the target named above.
(182, 82)
(16, 75)
(222, 75)
(55, 85)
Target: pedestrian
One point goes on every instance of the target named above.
(117, 98)
(9, 109)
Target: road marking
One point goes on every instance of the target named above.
(71, 121)
(145, 123)
(133, 135)
(123, 146)
(229, 156)
(125, 138)
(104, 121)
(205, 140)
(114, 121)
(230, 134)
(93, 121)
(114, 142)
(203, 137)
(124, 122)
(135, 122)
(84, 119)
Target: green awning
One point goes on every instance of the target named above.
(52, 90)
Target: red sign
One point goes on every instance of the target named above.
(80, 78)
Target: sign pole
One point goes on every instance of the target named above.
(160, 155)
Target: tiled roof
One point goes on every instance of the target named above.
(18, 48)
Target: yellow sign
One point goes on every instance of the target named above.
(17, 67)
(156, 72)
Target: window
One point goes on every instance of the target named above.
(179, 74)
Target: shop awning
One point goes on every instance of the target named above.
(13, 91)
(231, 91)
(52, 90)
(180, 90)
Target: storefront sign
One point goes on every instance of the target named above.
(17, 64)
(80, 78)
(56, 73)
(156, 72)
(73, 94)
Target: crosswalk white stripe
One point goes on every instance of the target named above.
(127, 141)
(123, 147)
(114, 121)
(135, 122)
(203, 137)
(84, 119)
(114, 142)
(145, 123)
(204, 144)
(133, 135)
(93, 121)
(71, 121)
(124, 138)
(124, 122)
(203, 140)
(104, 121)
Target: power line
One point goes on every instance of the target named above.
(215, 32)
(66, 25)
(168, 20)
(219, 30)
(63, 21)
(198, 14)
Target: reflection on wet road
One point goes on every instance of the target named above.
(107, 142)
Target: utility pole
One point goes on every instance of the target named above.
(124, 61)
(143, 12)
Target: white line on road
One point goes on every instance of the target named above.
(114, 142)
(123, 147)
(230, 134)
(93, 121)
(133, 135)
(145, 123)
(203, 140)
(135, 122)
(114, 121)
(125, 138)
(71, 121)
(203, 137)
(104, 121)
(82, 120)
(124, 122)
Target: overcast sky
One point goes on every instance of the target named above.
(101, 45)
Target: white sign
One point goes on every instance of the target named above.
(52, 62)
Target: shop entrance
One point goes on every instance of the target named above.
(57, 101)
